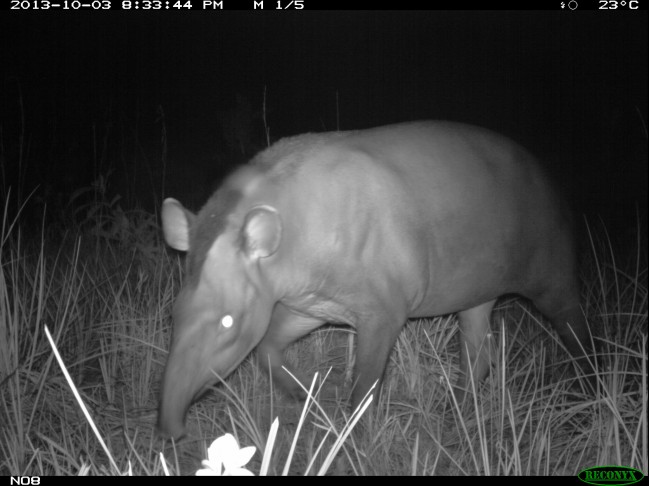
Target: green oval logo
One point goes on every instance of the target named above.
(608, 475)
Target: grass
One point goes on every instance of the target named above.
(104, 285)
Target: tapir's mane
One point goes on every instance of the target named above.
(209, 224)
(277, 162)
(284, 158)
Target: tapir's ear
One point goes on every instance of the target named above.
(262, 232)
(176, 221)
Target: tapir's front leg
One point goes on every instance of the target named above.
(284, 329)
(375, 341)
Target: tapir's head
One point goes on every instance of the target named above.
(224, 309)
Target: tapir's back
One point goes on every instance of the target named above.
(447, 166)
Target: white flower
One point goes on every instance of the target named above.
(224, 458)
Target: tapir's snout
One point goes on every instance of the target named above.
(170, 427)
(184, 374)
(204, 350)
(177, 396)
(175, 402)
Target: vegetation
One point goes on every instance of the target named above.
(101, 280)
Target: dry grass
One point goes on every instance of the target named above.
(105, 287)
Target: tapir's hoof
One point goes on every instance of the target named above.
(295, 393)
(460, 394)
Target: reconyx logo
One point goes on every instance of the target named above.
(609, 475)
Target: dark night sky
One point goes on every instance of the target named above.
(571, 86)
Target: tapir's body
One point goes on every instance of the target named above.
(365, 228)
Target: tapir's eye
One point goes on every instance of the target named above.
(227, 321)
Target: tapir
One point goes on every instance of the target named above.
(366, 228)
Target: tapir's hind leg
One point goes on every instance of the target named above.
(474, 347)
(560, 304)
(284, 329)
